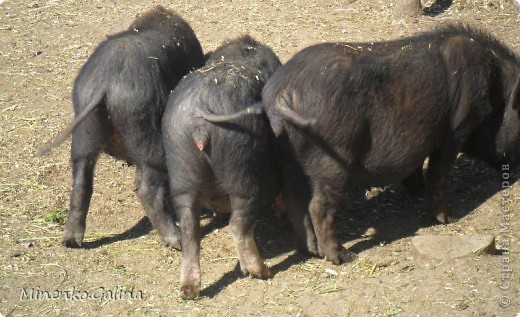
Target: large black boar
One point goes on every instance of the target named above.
(379, 109)
(119, 97)
(231, 156)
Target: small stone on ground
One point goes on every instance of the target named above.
(453, 247)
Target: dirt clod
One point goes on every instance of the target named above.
(453, 247)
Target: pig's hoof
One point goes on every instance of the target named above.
(308, 247)
(312, 247)
(442, 218)
(71, 243)
(262, 272)
(445, 217)
(308, 252)
(171, 236)
(172, 241)
(442, 213)
(71, 240)
(190, 291)
(342, 256)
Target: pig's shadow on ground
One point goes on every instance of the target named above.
(141, 228)
(393, 213)
(144, 227)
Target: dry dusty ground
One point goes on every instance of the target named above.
(42, 46)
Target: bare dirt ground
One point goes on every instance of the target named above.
(42, 46)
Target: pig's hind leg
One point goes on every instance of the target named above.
(143, 143)
(325, 202)
(188, 211)
(242, 224)
(154, 193)
(296, 193)
(88, 140)
(439, 167)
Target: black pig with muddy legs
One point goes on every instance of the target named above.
(119, 97)
(219, 147)
(368, 114)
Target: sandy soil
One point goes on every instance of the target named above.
(42, 46)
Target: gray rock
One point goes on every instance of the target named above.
(453, 247)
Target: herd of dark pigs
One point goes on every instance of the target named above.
(234, 129)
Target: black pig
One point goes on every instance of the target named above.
(231, 156)
(368, 114)
(119, 97)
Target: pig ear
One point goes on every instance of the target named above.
(514, 99)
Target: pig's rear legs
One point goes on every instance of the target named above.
(87, 142)
(323, 206)
(83, 175)
(242, 224)
(154, 193)
(188, 213)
